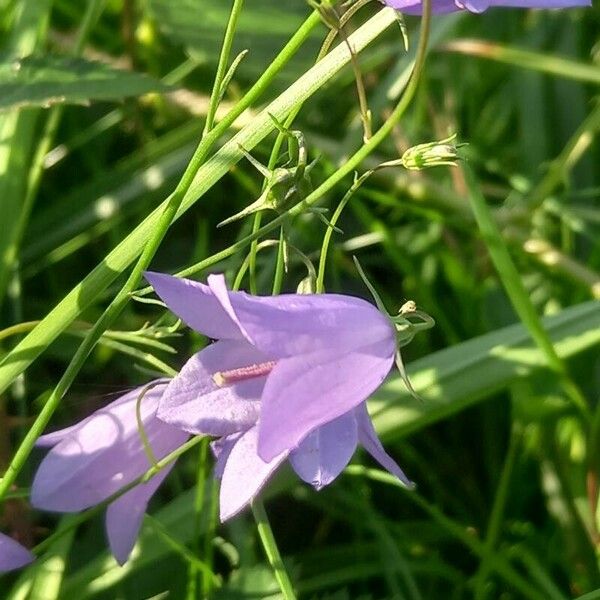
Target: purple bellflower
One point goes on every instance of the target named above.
(308, 358)
(415, 7)
(94, 459)
(12, 554)
(287, 378)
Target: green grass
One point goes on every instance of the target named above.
(502, 251)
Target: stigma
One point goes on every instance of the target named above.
(222, 378)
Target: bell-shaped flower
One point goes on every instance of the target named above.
(301, 361)
(318, 460)
(415, 7)
(12, 554)
(94, 459)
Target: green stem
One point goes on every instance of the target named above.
(216, 94)
(496, 516)
(511, 280)
(109, 315)
(254, 248)
(320, 288)
(271, 550)
(202, 475)
(258, 216)
(280, 264)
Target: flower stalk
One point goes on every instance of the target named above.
(271, 550)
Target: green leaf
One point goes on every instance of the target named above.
(525, 59)
(46, 80)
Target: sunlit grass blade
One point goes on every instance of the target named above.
(526, 59)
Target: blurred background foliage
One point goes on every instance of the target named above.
(506, 467)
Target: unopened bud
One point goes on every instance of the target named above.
(307, 286)
(431, 154)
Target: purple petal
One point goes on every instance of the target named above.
(219, 288)
(244, 474)
(195, 403)
(540, 3)
(279, 326)
(325, 452)
(221, 449)
(367, 436)
(12, 554)
(124, 516)
(309, 390)
(413, 7)
(292, 324)
(102, 455)
(51, 439)
(196, 304)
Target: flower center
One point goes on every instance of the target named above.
(222, 378)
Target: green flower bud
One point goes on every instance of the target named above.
(431, 154)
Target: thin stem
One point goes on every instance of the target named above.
(280, 264)
(216, 93)
(258, 216)
(254, 248)
(513, 285)
(496, 516)
(193, 572)
(271, 550)
(329, 231)
(365, 113)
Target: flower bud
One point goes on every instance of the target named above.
(308, 285)
(431, 154)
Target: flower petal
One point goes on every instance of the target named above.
(292, 324)
(367, 436)
(195, 403)
(221, 449)
(196, 304)
(219, 288)
(279, 326)
(12, 554)
(540, 3)
(309, 390)
(244, 474)
(124, 516)
(51, 439)
(325, 452)
(102, 455)
(415, 7)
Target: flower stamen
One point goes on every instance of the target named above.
(222, 378)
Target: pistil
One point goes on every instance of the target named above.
(222, 378)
